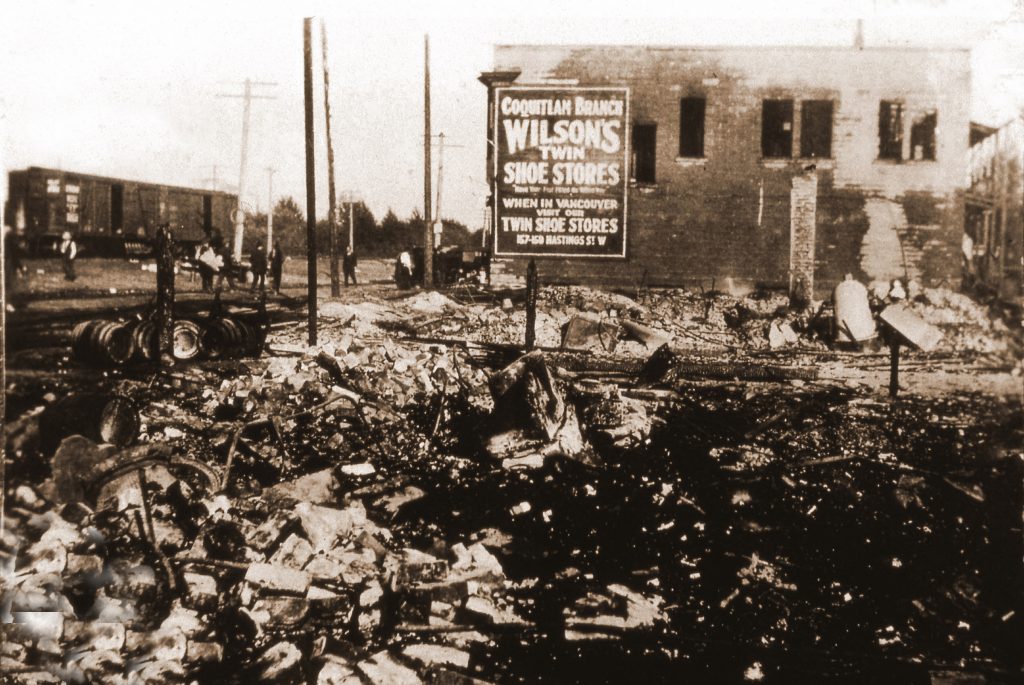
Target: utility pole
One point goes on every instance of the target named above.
(332, 217)
(428, 230)
(247, 97)
(349, 197)
(307, 54)
(440, 175)
(440, 179)
(212, 181)
(270, 208)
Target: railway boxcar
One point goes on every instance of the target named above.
(109, 216)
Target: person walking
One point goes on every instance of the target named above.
(349, 262)
(68, 254)
(276, 266)
(258, 266)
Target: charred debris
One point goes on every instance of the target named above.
(675, 486)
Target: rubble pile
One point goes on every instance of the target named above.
(968, 326)
(231, 590)
(386, 507)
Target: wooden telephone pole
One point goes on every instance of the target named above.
(332, 216)
(428, 230)
(270, 208)
(307, 54)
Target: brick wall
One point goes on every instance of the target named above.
(803, 204)
(726, 217)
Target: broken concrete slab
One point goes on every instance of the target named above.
(201, 590)
(591, 333)
(394, 501)
(324, 526)
(279, 662)
(280, 611)
(781, 334)
(316, 488)
(294, 552)
(364, 469)
(437, 655)
(278, 578)
(485, 609)
(204, 652)
(653, 338)
(337, 671)
(911, 327)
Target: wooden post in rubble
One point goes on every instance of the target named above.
(531, 304)
(165, 295)
(894, 368)
(307, 44)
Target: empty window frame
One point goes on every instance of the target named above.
(922, 135)
(777, 128)
(816, 129)
(890, 130)
(691, 127)
(644, 152)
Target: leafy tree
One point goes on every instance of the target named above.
(385, 239)
(456, 233)
(289, 227)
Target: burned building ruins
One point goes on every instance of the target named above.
(749, 166)
(994, 228)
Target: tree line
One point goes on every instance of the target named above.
(385, 238)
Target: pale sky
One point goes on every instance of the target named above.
(129, 89)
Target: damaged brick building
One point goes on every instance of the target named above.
(782, 167)
(994, 229)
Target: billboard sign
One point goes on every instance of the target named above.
(561, 171)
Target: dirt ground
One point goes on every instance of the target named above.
(746, 504)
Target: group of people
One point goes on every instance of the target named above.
(213, 257)
(215, 262)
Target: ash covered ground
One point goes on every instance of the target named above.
(761, 511)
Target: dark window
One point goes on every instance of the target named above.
(691, 127)
(816, 128)
(890, 130)
(644, 138)
(922, 136)
(116, 208)
(777, 128)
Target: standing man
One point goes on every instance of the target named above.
(206, 270)
(404, 269)
(258, 266)
(68, 254)
(276, 266)
(349, 265)
(227, 266)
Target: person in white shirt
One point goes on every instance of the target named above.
(68, 254)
